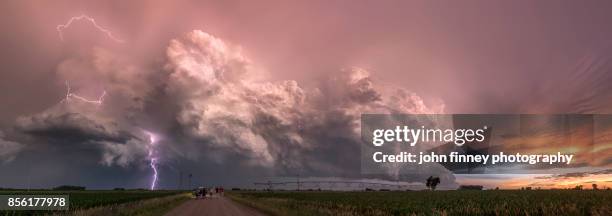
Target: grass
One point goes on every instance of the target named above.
(148, 207)
(535, 202)
(133, 202)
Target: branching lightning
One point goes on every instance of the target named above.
(152, 158)
(152, 153)
(60, 28)
(70, 95)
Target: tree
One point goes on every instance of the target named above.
(594, 186)
(432, 182)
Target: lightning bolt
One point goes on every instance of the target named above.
(70, 95)
(152, 158)
(60, 28)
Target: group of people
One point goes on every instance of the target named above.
(204, 193)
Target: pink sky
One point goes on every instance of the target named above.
(466, 57)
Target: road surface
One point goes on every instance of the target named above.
(221, 206)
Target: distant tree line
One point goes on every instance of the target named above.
(69, 188)
(471, 187)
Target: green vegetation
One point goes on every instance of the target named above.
(140, 202)
(460, 202)
(155, 206)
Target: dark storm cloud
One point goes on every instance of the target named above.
(64, 127)
(221, 112)
(8, 149)
(68, 127)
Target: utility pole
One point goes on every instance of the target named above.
(180, 183)
(190, 175)
(298, 182)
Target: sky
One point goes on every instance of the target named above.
(234, 91)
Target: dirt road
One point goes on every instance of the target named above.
(216, 206)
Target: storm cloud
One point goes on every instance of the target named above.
(8, 149)
(221, 110)
(272, 88)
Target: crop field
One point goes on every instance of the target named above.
(493, 202)
(82, 200)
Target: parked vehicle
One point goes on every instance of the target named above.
(200, 193)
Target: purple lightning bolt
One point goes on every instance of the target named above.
(60, 28)
(70, 95)
(152, 158)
